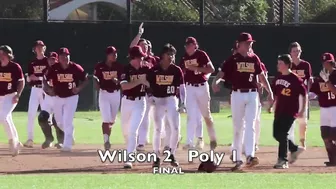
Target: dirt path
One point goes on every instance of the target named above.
(84, 159)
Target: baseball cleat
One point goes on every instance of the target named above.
(128, 165)
(213, 145)
(156, 163)
(66, 149)
(107, 145)
(14, 147)
(252, 161)
(294, 155)
(166, 148)
(140, 148)
(29, 143)
(238, 167)
(330, 164)
(188, 147)
(173, 162)
(59, 145)
(281, 164)
(200, 144)
(47, 144)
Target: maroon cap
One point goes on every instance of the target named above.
(53, 55)
(110, 50)
(328, 57)
(190, 40)
(136, 52)
(245, 37)
(39, 43)
(64, 51)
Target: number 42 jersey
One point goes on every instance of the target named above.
(165, 83)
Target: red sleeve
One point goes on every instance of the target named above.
(227, 67)
(95, 71)
(182, 66)
(181, 76)
(204, 58)
(81, 73)
(30, 69)
(124, 77)
(19, 73)
(273, 85)
(120, 71)
(48, 73)
(258, 68)
(309, 74)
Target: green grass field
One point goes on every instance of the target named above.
(88, 131)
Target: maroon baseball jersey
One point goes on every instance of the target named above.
(38, 68)
(325, 97)
(65, 80)
(303, 70)
(151, 61)
(10, 75)
(287, 89)
(242, 70)
(199, 59)
(106, 74)
(164, 83)
(130, 74)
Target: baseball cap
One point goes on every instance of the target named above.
(39, 43)
(136, 52)
(328, 57)
(63, 50)
(245, 37)
(110, 50)
(191, 40)
(53, 55)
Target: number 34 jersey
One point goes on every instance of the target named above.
(325, 97)
(165, 83)
(287, 89)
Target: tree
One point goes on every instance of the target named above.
(27, 9)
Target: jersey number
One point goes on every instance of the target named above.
(286, 92)
(9, 86)
(143, 88)
(170, 89)
(331, 96)
(71, 85)
(251, 78)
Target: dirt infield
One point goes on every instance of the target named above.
(84, 159)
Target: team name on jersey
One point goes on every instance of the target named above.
(245, 67)
(39, 69)
(7, 77)
(299, 73)
(65, 78)
(323, 87)
(282, 82)
(164, 79)
(192, 62)
(136, 77)
(108, 75)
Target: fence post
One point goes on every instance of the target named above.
(201, 12)
(281, 7)
(45, 10)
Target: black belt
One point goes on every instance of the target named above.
(245, 90)
(37, 86)
(133, 97)
(164, 96)
(195, 84)
(111, 91)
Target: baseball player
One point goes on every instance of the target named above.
(46, 118)
(287, 88)
(166, 81)
(243, 68)
(68, 79)
(11, 86)
(133, 106)
(36, 70)
(196, 65)
(107, 74)
(324, 89)
(303, 69)
(151, 61)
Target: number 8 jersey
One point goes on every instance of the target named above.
(10, 75)
(287, 89)
(165, 83)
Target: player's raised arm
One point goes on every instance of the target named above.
(138, 36)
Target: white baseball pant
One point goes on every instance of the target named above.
(6, 109)
(168, 107)
(144, 129)
(35, 100)
(65, 109)
(109, 104)
(132, 114)
(327, 116)
(198, 100)
(244, 107)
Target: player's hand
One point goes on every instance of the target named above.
(33, 78)
(116, 81)
(300, 115)
(324, 75)
(270, 97)
(270, 109)
(75, 90)
(215, 87)
(144, 81)
(15, 99)
(141, 29)
(182, 108)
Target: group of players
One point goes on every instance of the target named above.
(158, 85)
